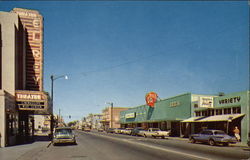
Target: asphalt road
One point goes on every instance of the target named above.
(103, 146)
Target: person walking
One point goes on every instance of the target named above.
(237, 133)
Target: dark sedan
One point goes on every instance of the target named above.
(110, 130)
(212, 137)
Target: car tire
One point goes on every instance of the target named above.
(144, 136)
(192, 140)
(225, 144)
(211, 142)
(163, 137)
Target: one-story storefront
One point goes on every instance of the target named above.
(167, 114)
(228, 111)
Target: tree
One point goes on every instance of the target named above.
(72, 123)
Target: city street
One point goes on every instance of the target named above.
(96, 146)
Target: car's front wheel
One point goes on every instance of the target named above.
(192, 140)
(211, 142)
(225, 144)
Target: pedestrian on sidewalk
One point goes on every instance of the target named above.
(237, 133)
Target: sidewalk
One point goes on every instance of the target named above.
(15, 152)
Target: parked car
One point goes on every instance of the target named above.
(212, 137)
(123, 130)
(118, 130)
(136, 131)
(63, 135)
(155, 132)
(127, 131)
(110, 130)
(86, 129)
(100, 130)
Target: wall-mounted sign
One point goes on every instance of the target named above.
(230, 100)
(33, 23)
(130, 115)
(31, 100)
(206, 102)
(151, 99)
(29, 96)
(175, 104)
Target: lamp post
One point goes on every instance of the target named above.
(111, 113)
(53, 78)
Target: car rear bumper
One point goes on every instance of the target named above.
(64, 140)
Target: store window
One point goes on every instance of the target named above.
(211, 113)
(236, 110)
(227, 110)
(197, 114)
(196, 106)
(218, 111)
(204, 113)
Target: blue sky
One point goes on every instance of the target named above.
(118, 51)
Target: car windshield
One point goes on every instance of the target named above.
(63, 131)
(155, 129)
(140, 129)
(219, 133)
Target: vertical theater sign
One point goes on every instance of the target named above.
(33, 24)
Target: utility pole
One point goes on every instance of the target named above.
(111, 119)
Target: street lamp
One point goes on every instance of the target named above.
(53, 78)
(111, 114)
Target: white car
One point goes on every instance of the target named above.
(127, 131)
(155, 132)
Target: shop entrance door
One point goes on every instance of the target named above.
(175, 129)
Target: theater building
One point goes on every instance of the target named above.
(21, 75)
(166, 114)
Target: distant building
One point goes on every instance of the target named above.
(92, 121)
(111, 117)
(42, 125)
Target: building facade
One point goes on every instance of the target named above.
(111, 117)
(92, 121)
(167, 114)
(21, 72)
(228, 111)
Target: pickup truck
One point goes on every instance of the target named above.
(155, 132)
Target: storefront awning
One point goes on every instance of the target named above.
(192, 119)
(226, 117)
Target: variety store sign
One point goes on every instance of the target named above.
(230, 100)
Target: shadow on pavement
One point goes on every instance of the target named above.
(41, 138)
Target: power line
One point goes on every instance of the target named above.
(119, 65)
